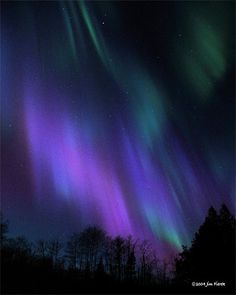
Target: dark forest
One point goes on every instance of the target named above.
(93, 262)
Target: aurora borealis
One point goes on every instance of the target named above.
(119, 114)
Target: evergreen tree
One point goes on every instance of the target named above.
(211, 256)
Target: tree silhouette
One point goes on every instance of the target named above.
(55, 248)
(211, 256)
(41, 248)
(92, 245)
(73, 251)
(146, 262)
(130, 267)
(4, 230)
(119, 248)
(100, 268)
(96, 262)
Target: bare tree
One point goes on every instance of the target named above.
(92, 246)
(4, 230)
(130, 264)
(41, 248)
(119, 257)
(109, 255)
(55, 248)
(146, 262)
(73, 251)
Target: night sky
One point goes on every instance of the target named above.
(117, 114)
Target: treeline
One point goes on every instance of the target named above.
(93, 262)
(89, 256)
